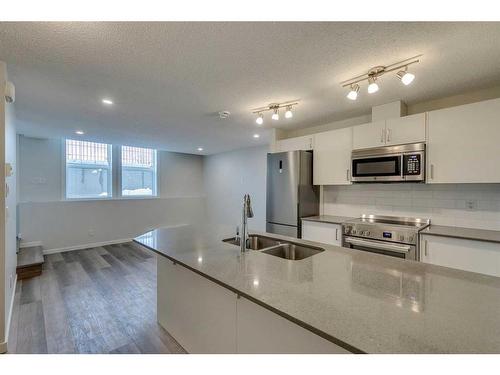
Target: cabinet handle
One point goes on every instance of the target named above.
(389, 133)
(347, 174)
(336, 234)
(382, 135)
(432, 171)
(426, 252)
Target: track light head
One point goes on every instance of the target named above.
(260, 119)
(405, 76)
(276, 114)
(373, 86)
(289, 113)
(353, 94)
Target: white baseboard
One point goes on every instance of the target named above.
(86, 246)
(30, 244)
(9, 319)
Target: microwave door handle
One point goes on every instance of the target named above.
(402, 167)
(379, 246)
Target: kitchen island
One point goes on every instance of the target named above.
(338, 301)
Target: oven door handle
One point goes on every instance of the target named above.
(376, 245)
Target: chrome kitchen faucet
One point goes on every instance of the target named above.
(247, 212)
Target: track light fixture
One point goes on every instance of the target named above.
(405, 76)
(353, 94)
(376, 72)
(260, 119)
(276, 114)
(372, 85)
(275, 108)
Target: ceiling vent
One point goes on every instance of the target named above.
(224, 114)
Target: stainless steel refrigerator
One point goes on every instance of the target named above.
(291, 194)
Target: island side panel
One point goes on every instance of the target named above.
(261, 331)
(198, 313)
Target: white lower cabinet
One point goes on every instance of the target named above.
(468, 255)
(328, 233)
(205, 317)
(198, 313)
(262, 331)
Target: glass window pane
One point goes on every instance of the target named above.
(88, 169)
(138, 171)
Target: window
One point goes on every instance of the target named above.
(88, 169)
(138, 171)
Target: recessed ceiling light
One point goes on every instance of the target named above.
(79, 132)
(107, 101)
(200, 148)
(256, 135)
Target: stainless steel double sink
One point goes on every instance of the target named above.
(278, 248)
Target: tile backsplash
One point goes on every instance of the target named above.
(462, 205)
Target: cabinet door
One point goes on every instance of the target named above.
(332, 157)
(198, 313)
(408, 129)
(463, 144)
(368, 135)
(468, 255)
(322, 232)
(293, 144)
(261, 331)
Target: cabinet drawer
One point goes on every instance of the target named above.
(322, 232)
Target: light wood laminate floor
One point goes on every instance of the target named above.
(98, 300)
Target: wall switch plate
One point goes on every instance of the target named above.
(471, 205)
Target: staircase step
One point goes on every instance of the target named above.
(30, 262)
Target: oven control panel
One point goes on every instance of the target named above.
(389, 234)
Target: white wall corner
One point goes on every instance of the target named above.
(389, 110)
(9, 318)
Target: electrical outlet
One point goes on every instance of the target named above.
(471, 205)
(91, 233)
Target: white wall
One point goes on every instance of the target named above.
(40, 166)
(444, 204)
(60, 224)
(228, 176)
(8, 258)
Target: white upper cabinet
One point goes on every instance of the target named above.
(293, 144)
(332, 157)
(369, 135)
(402, 130)
(463, 144)
(395, 131)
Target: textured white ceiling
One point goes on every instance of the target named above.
(169, 80)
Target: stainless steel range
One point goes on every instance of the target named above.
(388, 235)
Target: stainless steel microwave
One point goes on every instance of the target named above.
(403, 163)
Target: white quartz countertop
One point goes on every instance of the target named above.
(364, 302)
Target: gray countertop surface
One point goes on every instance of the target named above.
(463, 233)
(328, 219)
(362, 301)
